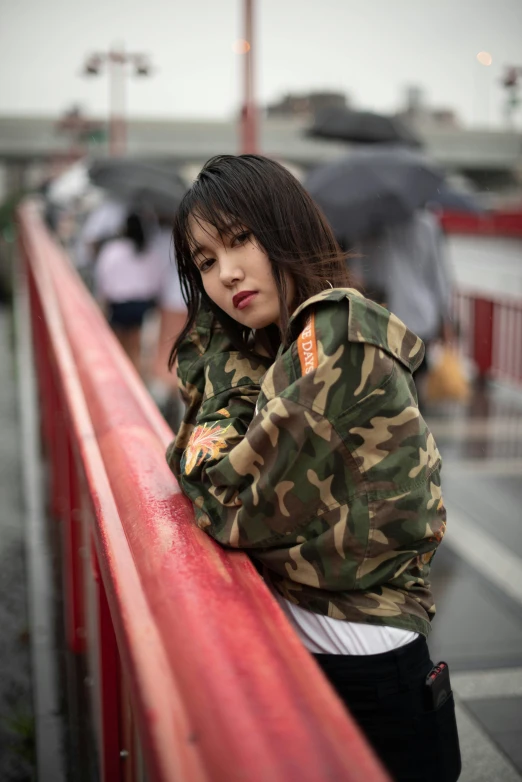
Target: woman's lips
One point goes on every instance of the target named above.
(243, 299)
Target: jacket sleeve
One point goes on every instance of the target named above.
(256, 479)
(207, 345)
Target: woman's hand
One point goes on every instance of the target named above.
(208, 365)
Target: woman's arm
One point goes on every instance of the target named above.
(255, 479)
(207, 343)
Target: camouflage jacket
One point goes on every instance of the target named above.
(319, 465)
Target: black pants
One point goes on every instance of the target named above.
(128, 314)
(385, 695)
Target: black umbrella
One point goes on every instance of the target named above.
(372, 188)
(139, 184)
(361, 127)
(449, 199)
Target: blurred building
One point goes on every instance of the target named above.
(79, 130)
(420, 116)
(306, 105)
(30, 146)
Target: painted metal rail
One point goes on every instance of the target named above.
(490, 325)
(505, 223)
(491, 334)
(195, 673)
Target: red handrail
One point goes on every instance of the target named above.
(490, 328)
(249, 701)
(496, 223)
(170, 752)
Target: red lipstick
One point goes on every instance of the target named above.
(243, 299)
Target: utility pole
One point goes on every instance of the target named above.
(117, 59)
(512, 82)
(249, 115)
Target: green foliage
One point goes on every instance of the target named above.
(22, 727)
(7, 215)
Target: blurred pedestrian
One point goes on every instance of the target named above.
(303, 445)
(172, 318)
(128, 279)
(404, 266)
(102, 224)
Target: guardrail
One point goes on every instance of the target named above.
(490, 325)
(196, 674)
(491, 334)
(501, 223)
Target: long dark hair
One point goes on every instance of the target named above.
(260, 194)
(134, 231)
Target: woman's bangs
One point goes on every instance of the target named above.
(208, 208)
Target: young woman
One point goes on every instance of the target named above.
(302, 444)
(128, 278)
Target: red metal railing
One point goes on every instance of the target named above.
(504, 223)
(191, 660)
(490, 325)
(491, 334)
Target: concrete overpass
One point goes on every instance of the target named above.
(490, 155)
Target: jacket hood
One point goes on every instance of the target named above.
(370, 323)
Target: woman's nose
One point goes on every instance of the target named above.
(229, 272)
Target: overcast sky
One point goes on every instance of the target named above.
(370, 49)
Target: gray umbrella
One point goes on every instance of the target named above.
(361, 127)
(139, 184)
(372, 188)
(449, 199)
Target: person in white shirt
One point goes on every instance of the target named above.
(129, 277)
(103, 223)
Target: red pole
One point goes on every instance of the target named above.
(249, 113)
(483, 336)
(117, 134)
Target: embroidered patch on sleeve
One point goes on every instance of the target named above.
(307, 347)
(205, 443)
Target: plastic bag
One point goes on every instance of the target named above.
(446, 379)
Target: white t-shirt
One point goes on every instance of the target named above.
(324, 635)
(123, 274)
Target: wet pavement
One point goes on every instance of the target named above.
(16, 705)
(477, 579)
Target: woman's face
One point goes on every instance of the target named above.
(237, 275)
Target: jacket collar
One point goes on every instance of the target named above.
(370, 323)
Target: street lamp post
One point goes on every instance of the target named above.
(117, 59)
(249, 113)
(511, 82)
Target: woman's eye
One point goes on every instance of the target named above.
(206, 264)
(241, 238)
